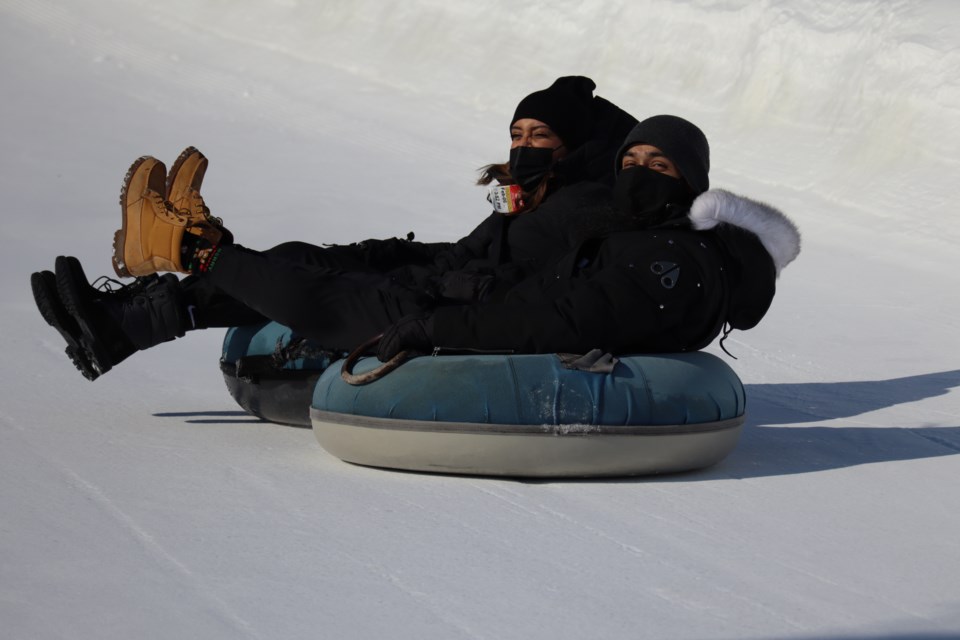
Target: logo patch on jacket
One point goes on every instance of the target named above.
(669, 273)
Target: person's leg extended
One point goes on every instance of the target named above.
(211, 307)
(339, 309)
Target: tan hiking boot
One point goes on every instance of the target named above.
(183, 190)
(151, 234)
(185, 178)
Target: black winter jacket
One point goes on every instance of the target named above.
(504, 250)
(658, 290)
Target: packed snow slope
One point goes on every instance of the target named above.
(146, 505)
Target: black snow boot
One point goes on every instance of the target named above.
(114, 324)
(44, 285)
(52, 308)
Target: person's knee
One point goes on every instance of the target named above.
(292, 250)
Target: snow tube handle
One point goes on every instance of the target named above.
(356, 379)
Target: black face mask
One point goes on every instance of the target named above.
(650, 197)
(528, 165)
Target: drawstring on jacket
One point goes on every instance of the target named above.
(727, 330)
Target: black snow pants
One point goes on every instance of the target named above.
(326, 294)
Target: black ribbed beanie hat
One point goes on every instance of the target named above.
(682, 141)
(565, 106)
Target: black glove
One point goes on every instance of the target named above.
(413, 332)
(465, 286)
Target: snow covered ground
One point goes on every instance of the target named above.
(146, 505)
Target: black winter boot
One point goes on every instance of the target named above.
(115, 324)
(44, 285)
(54, 312)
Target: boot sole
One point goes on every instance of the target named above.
(120, 237)
(71, 281)
(47, 299)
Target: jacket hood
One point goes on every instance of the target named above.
(761, 242)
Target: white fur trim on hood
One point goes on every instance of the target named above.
(779, 236)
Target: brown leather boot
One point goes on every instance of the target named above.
(151, 235)
(183, 190)
(185, 177)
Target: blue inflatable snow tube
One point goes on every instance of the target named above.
(271, 372)
(652, 390)
(528, 415)
(503, 415)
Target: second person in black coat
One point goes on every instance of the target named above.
(667, 265)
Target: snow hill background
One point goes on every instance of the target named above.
(146, 505)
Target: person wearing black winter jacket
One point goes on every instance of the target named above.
(562, 141)
(664, 289)
(659, 263)
(577, 135)
(675, 263)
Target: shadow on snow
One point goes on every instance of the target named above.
(769, 447)
(212, 417)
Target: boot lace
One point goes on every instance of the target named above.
(106, 284)
(163, 209)
(201, 210)
(196, 213)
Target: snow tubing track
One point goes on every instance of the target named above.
(516, 416)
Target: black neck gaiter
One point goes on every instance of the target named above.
(649, 197)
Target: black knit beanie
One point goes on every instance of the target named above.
(565, 106)
(682, 141)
